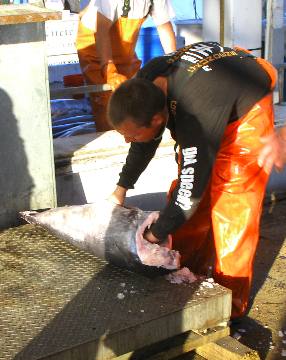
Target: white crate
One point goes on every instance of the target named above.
(61, 50)
(61, 35)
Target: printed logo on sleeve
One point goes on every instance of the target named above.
(201, 55)
(189, 157)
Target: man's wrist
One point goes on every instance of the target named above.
(120, 190)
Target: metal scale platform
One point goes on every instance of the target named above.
(58, 302)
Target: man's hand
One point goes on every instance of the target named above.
(150, 237)
(118, 195)
(113, 78)
(274, 151)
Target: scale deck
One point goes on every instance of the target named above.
(58, 302)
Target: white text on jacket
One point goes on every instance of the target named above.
(187, 178)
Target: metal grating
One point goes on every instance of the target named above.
(54, 296)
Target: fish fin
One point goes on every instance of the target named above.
(29, 216)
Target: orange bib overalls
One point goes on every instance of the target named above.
(224, 231)
(123, 37)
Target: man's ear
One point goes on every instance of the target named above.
(157, 120)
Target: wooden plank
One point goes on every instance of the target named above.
(26, 13)
(68, 92)
(177, 345)
(227, 348)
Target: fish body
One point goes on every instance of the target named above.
(110, 232)
(60, 107)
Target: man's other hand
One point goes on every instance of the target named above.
(113, 78)
(150, 237)
(118, 195)
(274, 151)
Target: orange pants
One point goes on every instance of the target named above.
(224, 231)
(91, 72)
(125, 60)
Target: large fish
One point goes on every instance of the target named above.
(111, 232)
(63, 108)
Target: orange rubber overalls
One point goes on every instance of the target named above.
(224, 231)
(123, 37)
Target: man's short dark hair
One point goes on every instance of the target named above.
(135, 99)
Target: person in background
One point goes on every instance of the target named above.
(217, 103)
(106, 40)
(274, 150)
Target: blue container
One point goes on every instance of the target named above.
(148, 44)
